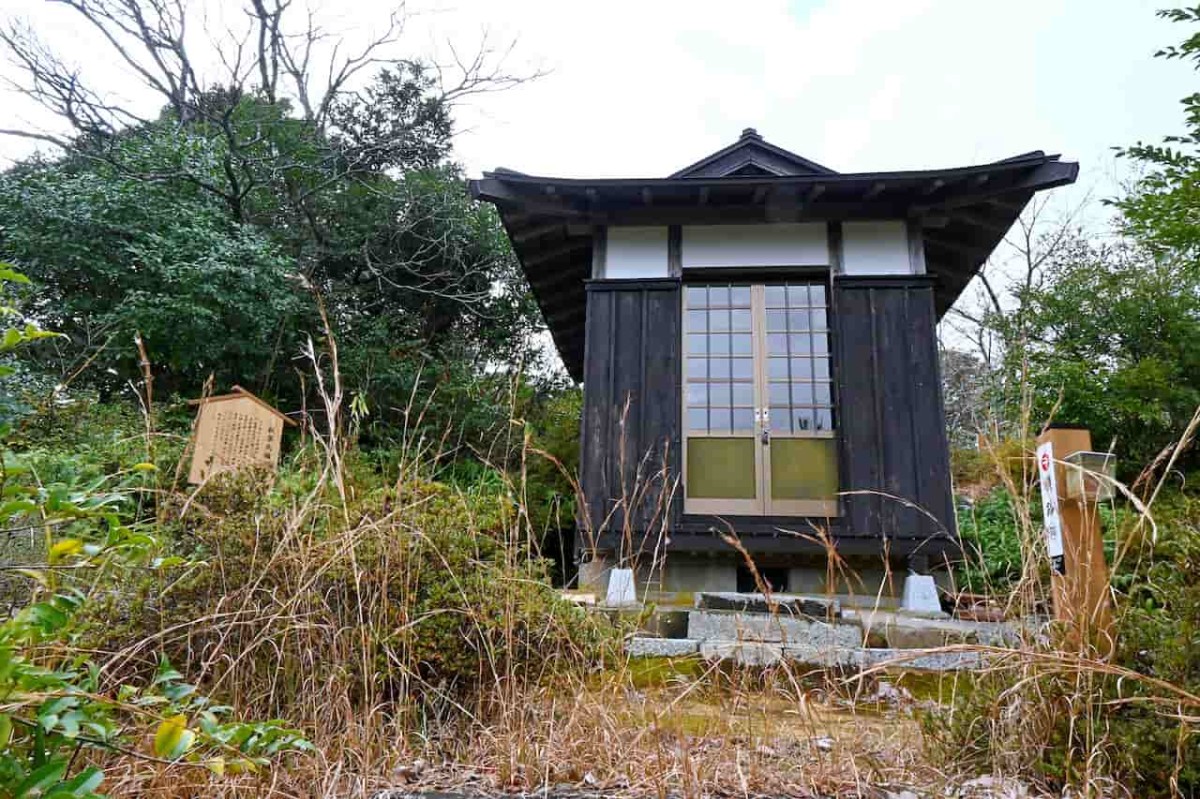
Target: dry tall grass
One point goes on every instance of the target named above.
(356, 610)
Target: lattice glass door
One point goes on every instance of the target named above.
(799, 450)
(722, 464)
(758, 411)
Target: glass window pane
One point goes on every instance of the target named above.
(718, 394)
(802, 368)
(719, 420)
(821, 343)
(776, 298)
(804, 468)
(817, 295)
(721, 468)
(801, 344)
(718, 296)
(802, 419)
(780, 421)
(697, 321)
(741, 318)
(821, 394)
(777, 321)
(743, 420)
(697, 345)
(802, 393)
(718, 320)
(740, 296)
(697, 296)
(743, 368)
(743, 393)
(818, 319)
(777, 368)
(777, 393)
(776, 344)
(697, 394)
(824, 419)
(743, 344)
(697, 419)
(799, 320)
(718, 343)
(697, 368)
(718, 368)
(797, 296)
(821, 368)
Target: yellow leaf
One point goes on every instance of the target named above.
(145, 467)
(172, 738)
(65, 547)
(6, 729)
(216, 765)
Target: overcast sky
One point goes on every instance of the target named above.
(644, 87)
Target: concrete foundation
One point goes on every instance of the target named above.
(921, 595)
(621, 591)
(683, 574)
(858, 582)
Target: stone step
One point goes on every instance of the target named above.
(794, 605)
(727, 626)
(873, 629)
(759, 653)
(904, 631)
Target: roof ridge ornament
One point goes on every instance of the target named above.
(752, 149)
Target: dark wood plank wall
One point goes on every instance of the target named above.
(892, 427)
(891, 424)
(630, 445)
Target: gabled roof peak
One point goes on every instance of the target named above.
(751, 154)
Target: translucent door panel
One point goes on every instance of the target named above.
(722, 471)
(800, 451)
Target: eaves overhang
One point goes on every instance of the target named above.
(964, 213)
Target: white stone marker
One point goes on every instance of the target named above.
(621, 591)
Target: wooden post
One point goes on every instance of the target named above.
(1081, 593)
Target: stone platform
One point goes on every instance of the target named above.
(755, 630)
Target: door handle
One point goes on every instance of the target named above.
(766, 427)
(766, 437)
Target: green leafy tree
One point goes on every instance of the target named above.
(254, 180)
(115, 256)
(1115, 345)
(1162, 210)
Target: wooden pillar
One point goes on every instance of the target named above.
(1081, 593)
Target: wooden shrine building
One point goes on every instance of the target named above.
(756, 338)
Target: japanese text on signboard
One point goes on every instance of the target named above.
(1051, 517)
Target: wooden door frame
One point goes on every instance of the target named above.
(712, 505)
(762, 504)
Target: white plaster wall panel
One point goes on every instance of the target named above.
(875, 248)
(782, 244)
(636, 252)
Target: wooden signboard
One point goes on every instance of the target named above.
(235, 430)
(1079, 575)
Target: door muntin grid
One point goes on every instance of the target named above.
(757, 366)
(719, 351)
(798, 379)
